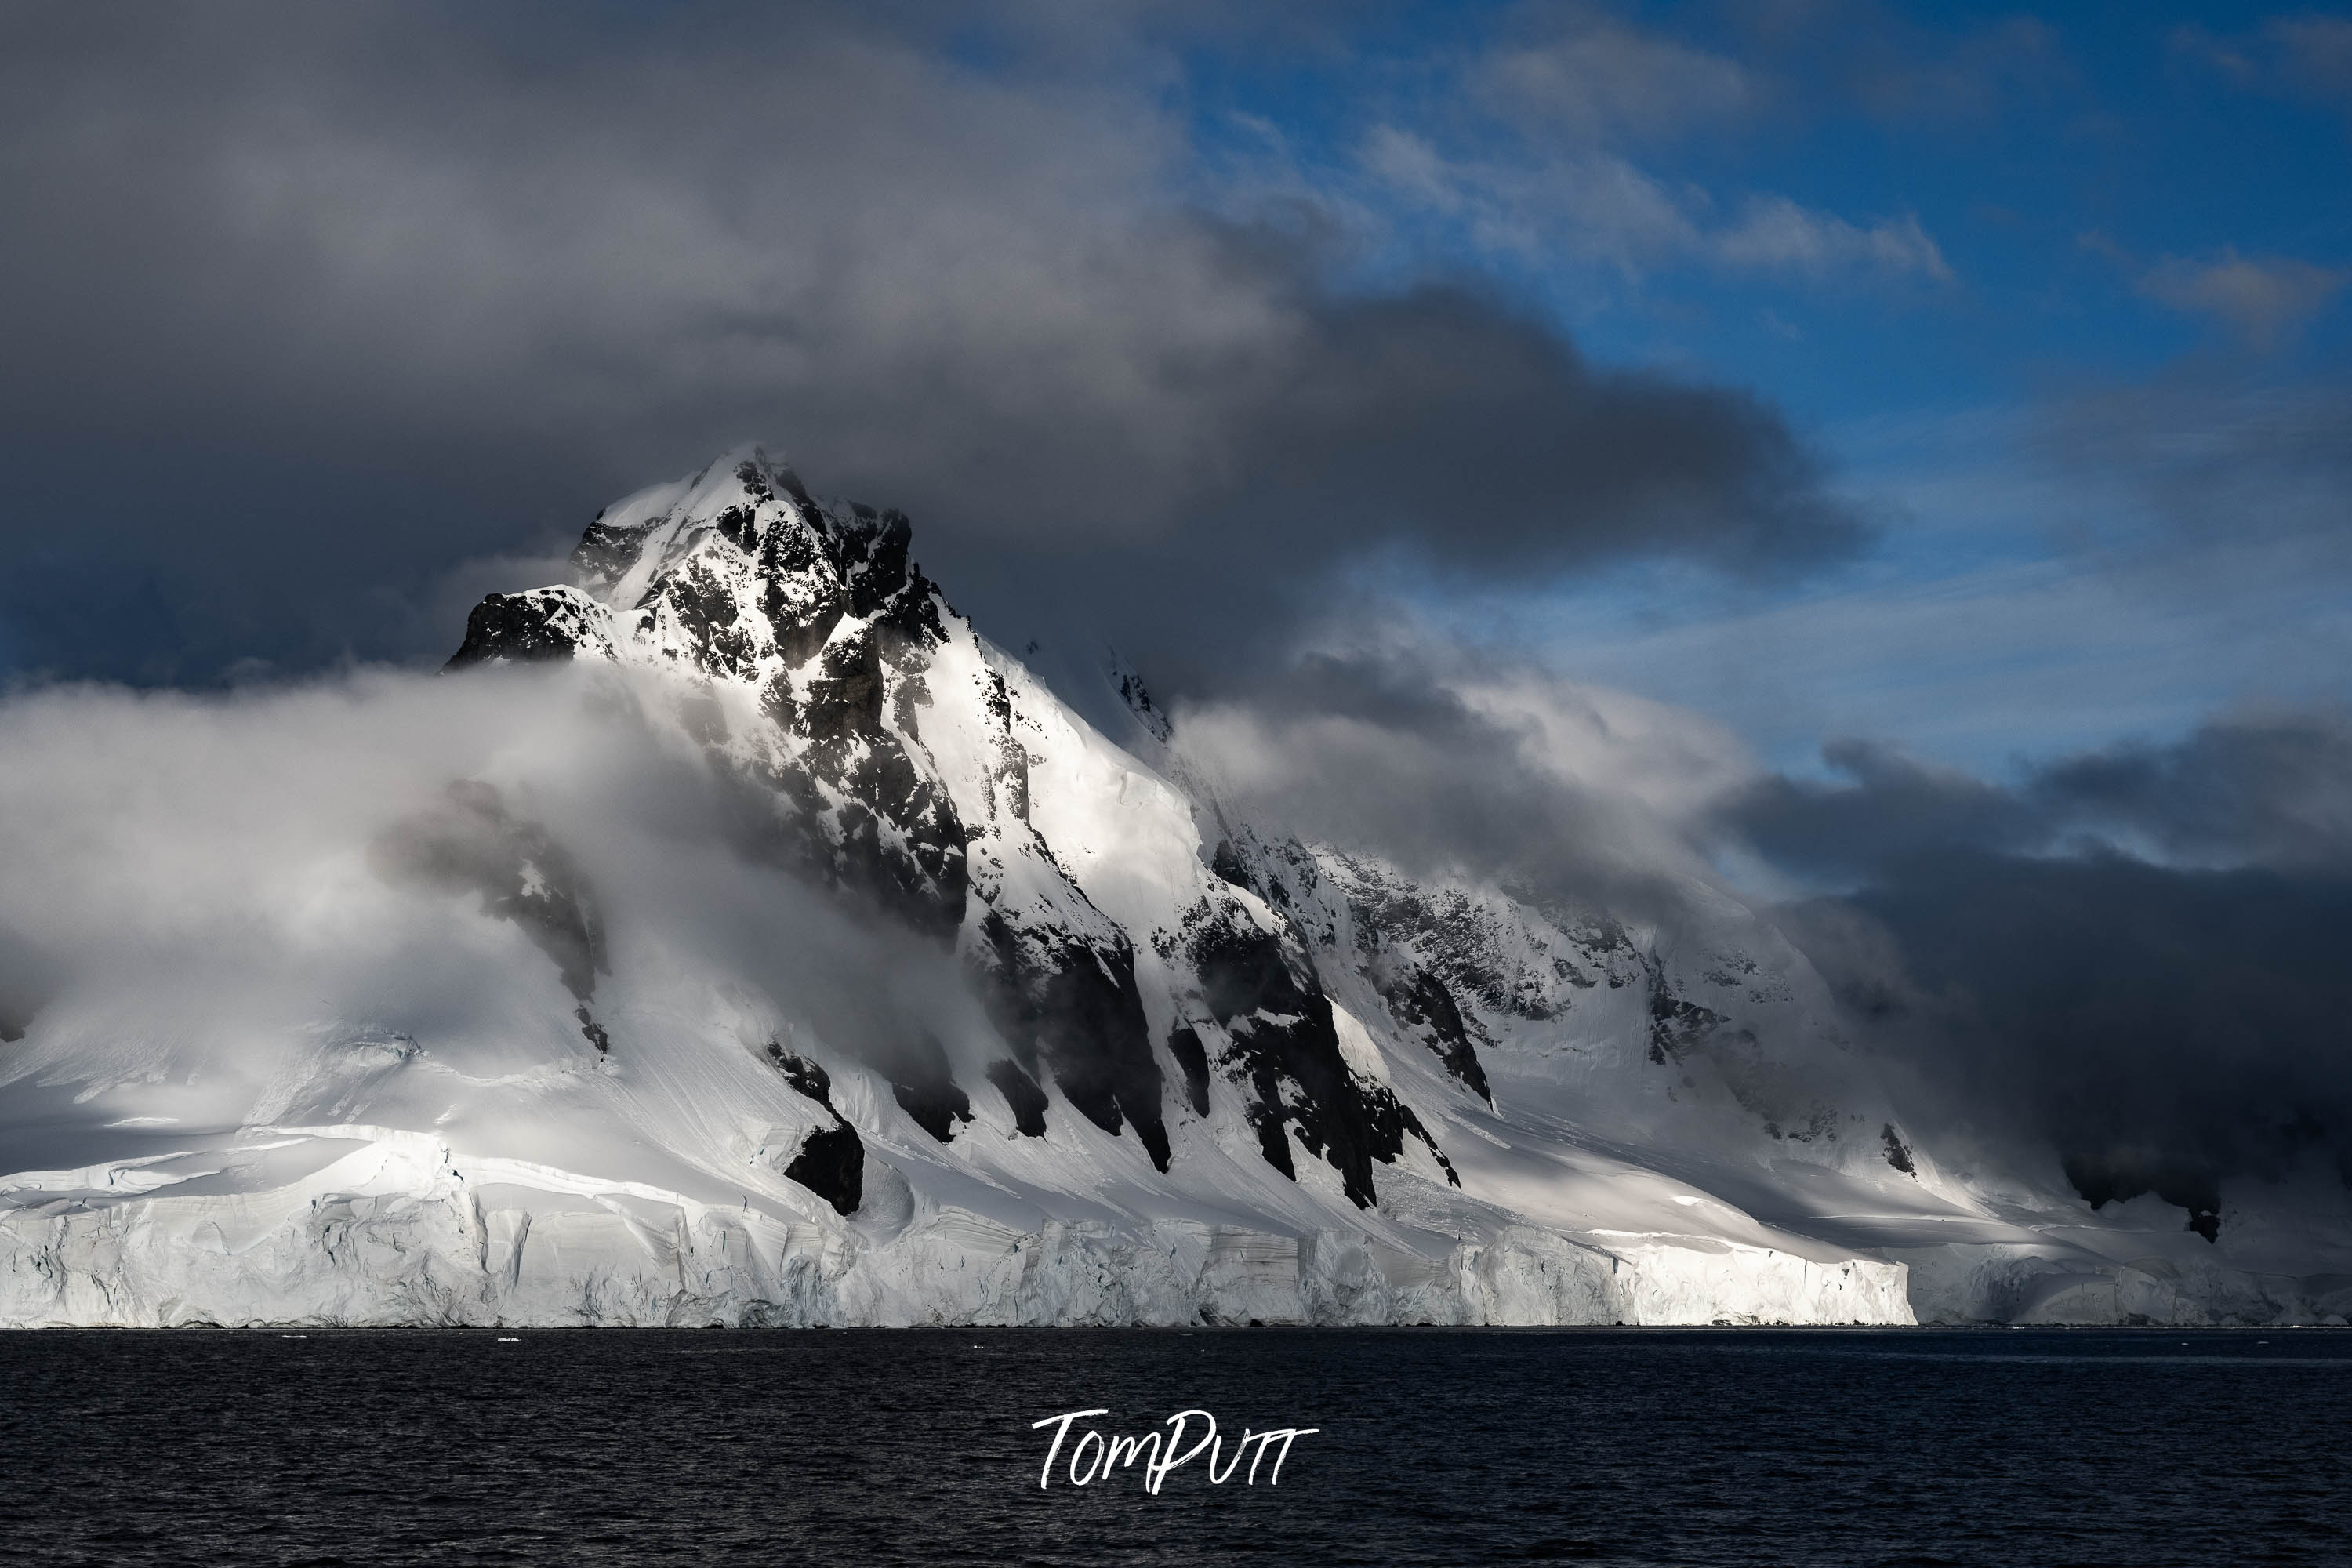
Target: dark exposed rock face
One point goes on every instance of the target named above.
(1389, 1121)
(1010, 774)
(603, 556)
(1067, 1006)
(1899, 1153)
(802, 1074)
(1156, 723)
(722, 639)
(1021, 1093)
(1460, 944)
(831, 1162)
(472, 844)
(2120, 1177)
(593, 1031)
(509, 626)
(1678, 1026)
(917, 1068)
(1421, 1001)
(1192, 1058)
(527, 627)
(1286, 1047)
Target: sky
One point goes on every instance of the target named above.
(2058, 297)
(1926, 427)
(2030, 324)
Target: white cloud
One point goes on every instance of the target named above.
(1596, 206)
(1588, 207)
(1601, 78)
(2261, 298)
(1556, 784)
(1774, 232)
(198, 872)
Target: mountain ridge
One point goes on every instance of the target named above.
(1006, 1021)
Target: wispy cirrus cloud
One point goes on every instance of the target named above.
(1899, 71)
(2262, 299)
(1594, 206)
(1776, 233)
(2308, 56)
(1596, 79)
(1566, 140)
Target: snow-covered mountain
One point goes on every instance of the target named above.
(903, 994)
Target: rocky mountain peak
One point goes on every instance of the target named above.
(892, 754)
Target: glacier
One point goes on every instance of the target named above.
(733, 935)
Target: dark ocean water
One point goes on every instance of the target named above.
(2136, 1448)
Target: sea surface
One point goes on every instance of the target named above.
(2133, 1447)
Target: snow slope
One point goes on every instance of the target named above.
(735, 936)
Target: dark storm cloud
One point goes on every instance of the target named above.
(1440, 439)
(2134, 955)
(1891, 807)
(2272, 791)
(307, 306)
(2160, 1030)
